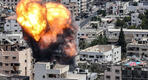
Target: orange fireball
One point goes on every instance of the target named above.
(35, 18)
(44, 22)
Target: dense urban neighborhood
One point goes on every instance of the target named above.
(110, 43)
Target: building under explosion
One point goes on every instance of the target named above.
(49, 30)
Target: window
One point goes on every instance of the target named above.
(15, 25)
(108, 69)
(6, 64)
(100, 56)
(43, 76)
(1, 63)
(91, 56)
(6, 57)
(7, 25)
(51, 75)
(13, 57)
(25, 60)
(117, 71)
(108, 77)
(117, 78)
(137, 35)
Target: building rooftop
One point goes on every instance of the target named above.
(11, 17)
(129, 30)
(99, 48)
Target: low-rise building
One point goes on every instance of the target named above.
(101, 53)
(89, 34)
(48, 71)
(138, 48)
(130, 34)
(129, 69)
(137, 7)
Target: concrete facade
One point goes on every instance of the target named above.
(16, 62)
(135, 20)
(101, 54)
(130, 34)
(113, 73)
(11, 25)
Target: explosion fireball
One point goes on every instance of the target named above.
(47, 25)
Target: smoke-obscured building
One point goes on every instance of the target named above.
(101, 54)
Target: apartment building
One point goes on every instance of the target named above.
(11, 25)
(135, 20)
(130, 34)
(117, 7)
(15, 60)
(49, 71)
(89, 34)
(138, 48)
(101, 54)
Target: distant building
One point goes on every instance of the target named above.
(101, 54)
(47, 71)
(138, 7)
(117, 7)
(135, 20)
(130, 34)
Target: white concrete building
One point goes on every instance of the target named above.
(135, 20)
(47, 71)
(11, 25)
(101, 53)
(130, 34)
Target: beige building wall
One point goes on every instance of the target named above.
(16, 62)
(25, 61)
